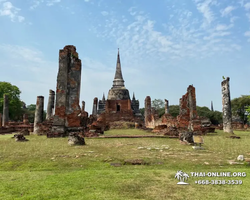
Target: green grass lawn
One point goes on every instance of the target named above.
(45, 168)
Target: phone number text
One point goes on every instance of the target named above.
(219, 182)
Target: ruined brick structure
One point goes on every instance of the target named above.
(101, 105)
(94, 110)
(188, 113)
(149, 119)
(187, 119)
(226, 106)
(38, 114)
(67, 108)
(166, 107)
(118, 106)
(51, 104)
(5, 110)
(25, 119)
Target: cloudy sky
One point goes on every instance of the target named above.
(165, 46)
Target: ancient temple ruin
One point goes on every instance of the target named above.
(118, 105)
(187, 119)
(67, 108)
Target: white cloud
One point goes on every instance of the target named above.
(52, 2)
(227, 11)
(104, 13)
(223, 27)
(247, 34)
(206, 11)
(185, 38)
(11, 11)
(36, 3)
(247, 6)
(31, 65)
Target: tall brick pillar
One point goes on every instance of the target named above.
(226, 106)
(192, 102)
(5, 110)
(38, 114)
(148, 111)
(166, 107)
(67, 108)
(25, 119)
(94, 110)
(83, 106)
(51, 103)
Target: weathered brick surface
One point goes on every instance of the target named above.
(94, 110)
(38, 113)
(51, 104)
(187, 119)
(67, 108)
(5, 110)
(226, 106)
(25, 119)
(148, 114)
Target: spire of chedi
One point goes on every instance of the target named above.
(118, 80)
(118, 91)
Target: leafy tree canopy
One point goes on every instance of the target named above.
(15, 104)
(158, 104)
(239, 107)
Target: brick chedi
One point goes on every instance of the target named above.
(118, 105)
(67, 108)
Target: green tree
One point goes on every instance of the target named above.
(31, 109)
(214, 116)
(239, 107)
(158, 104)
(174, 110)
(248, 112)
(142, 110)
(15, 104)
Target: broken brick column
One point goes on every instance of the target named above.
(192, 102)
(67, 108)
(148, 115)
(25, 119)
(50, 106)
(94, 110)
(5, 110)
(226, 106)
(38, 114)
(83, 106)
(166, 107)
(188, 111)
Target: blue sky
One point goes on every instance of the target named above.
(164, 46)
